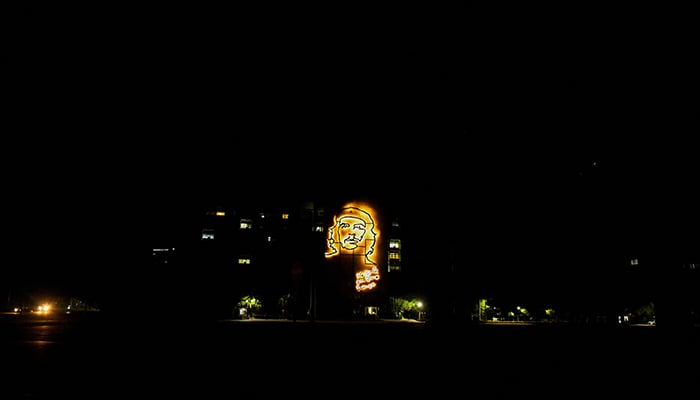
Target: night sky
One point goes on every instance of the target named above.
(551, 131)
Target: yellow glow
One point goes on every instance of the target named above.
(43, 308)
(354, 231)
(364, 280)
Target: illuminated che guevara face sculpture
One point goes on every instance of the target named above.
(354, 233)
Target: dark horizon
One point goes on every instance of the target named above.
(551, 140)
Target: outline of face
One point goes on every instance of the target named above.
(351, 231)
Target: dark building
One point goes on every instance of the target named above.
(274, 256)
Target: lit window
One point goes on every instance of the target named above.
(246, 224)
(207, 234)
(244, 261)
(285, 216)
(394, 244)
(394, 256)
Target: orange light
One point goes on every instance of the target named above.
(354, 231)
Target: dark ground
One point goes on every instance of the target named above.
(74, 357)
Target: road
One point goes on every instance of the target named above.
(95, 357)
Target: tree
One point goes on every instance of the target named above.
(403, 308)
(251, 305)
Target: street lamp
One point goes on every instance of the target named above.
(419, 305)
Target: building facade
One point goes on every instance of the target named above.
(275, 261)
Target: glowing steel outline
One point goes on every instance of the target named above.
(354, 229)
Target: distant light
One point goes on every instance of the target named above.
(246, 224)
